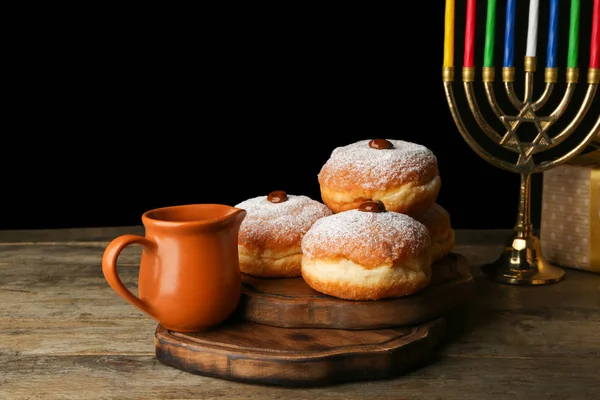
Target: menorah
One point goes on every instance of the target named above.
(522, 261)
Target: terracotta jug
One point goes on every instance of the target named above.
(189, 278)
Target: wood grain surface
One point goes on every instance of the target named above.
(64, 334)
(291, 303)
(250, 352)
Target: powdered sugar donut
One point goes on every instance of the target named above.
(437, 221)
(403, 175)
(367, 254)
(269, 240)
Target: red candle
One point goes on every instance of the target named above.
(595, 42)
(470, 35)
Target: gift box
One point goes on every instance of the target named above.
(570, 217)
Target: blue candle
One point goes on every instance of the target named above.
(509, 35)
(552, 35)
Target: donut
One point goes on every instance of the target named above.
(403, 175)
(437, 221)
(269, 240)
(367, 253)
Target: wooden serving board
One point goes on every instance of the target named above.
(249, 352)
(291, 303)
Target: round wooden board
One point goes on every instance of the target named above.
(291, 303)
(249, 352)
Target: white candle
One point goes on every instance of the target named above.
(534, 11)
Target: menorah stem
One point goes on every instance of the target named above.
(522, 261)
(523, 227)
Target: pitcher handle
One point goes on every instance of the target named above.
(109, 268)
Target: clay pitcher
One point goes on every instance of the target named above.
(189, 278)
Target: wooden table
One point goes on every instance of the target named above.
(64, 334)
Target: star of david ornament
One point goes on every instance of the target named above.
(511, 139)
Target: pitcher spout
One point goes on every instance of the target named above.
(237, 214)
(234, 217)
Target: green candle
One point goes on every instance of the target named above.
(573, 35)
(488, 54)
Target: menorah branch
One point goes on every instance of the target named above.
(475, 110)
(492, 101)
(529, 81)
(564, 102)
(544, 97)
(509, 88)
(575, 151)
(476, 147)
(581, 113)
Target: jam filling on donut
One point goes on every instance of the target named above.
(380, 144)
(277, 196)
(372, 206)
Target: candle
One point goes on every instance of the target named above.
(595, 41)
(490, 27)
(449, 35)
(534, 11)
(574, 35)
(509, 35)
(470, 35)
(552, 35)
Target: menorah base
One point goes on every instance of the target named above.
(522, 263)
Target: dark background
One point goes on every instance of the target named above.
(115, 113)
